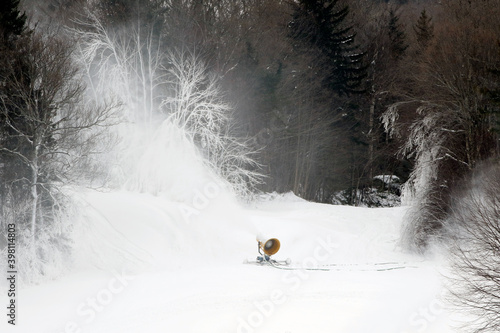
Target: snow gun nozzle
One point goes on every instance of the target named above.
(269, 247)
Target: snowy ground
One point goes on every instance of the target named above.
(145, 264)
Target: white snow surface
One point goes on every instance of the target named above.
(388, 179)
(144, 263)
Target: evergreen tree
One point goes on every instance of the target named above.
(397, 36)
(12, 25)
(322, 24)
(12, 22)
(424, 29)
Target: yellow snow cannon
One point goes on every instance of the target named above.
(269, 247)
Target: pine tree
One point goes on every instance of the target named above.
(12, 25)
(424, 29)
(322, 24)
(12, 22)
(397, 36)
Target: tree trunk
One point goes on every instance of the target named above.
(34, 191)
(371, 138)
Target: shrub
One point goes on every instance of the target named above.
(474, 228)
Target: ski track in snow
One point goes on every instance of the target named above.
(143, 265)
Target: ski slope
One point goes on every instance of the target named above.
(144, 263)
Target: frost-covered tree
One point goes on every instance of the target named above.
(127, 65)
(445, 116)
(49, 139)
(197, 106)
(474, 232)
(161, 90)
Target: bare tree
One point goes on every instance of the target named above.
(474, 228)
(197, 106)
(449, 131)
(158, 85)
(124, 63)
(48, 132)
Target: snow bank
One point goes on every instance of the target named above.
(165, 266)
(139, 231)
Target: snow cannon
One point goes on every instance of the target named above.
(270, 247)
(266, 250)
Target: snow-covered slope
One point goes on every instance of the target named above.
(147, 264)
